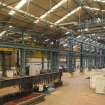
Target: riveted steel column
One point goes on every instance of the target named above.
(23, 58)
(54, 61)
(42, 63)
(81, 57)
(23, 61)
(70, 57)
(103, 53)
(48, 60)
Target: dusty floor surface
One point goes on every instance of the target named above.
(74, 92)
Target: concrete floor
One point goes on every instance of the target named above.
(74, 92)
(9, 90)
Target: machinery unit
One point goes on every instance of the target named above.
(27, 85)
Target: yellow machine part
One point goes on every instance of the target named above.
(8, 49)
(39, 54)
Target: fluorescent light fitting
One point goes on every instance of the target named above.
(87, 7)
(65, 45)
(99, 37)
(10, 26)
(51, 26)
(47, 40)
(94, 9)
(51, 10)
(86, 29)
(64, 24)
(75, 46)
(68, 15)
(2, 33)
(102, 1)
(87, 39)
(93, 41)
(18, 6)
(67, 32)
(98, 20)
(27, 37)
(52, 43)
(79, 36)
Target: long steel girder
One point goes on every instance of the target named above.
(27, 48)
(22, 46)
(96, 44)
(91, 24)
(17, 29)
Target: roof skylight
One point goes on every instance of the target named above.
(66, 16)
(18, 6)
(51, 10)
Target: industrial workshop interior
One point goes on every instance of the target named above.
(52, 52)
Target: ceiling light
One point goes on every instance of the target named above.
(51, 10)
(27, 37)
(86, 29)
(98, 20)
(99, 37)
(10, 26)
(93, 9)
(51, 26)
(75, 46)
(103, 1)
(46, 40)
(87, 39)
(93, 34)
(70, 23)
(67, 32)
(65, 45)
(66, 16)
(18, 6)
(79, 36)
(52, 43)
(93, 41)
(2, 33)
(87, 7)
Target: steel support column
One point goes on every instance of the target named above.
(103, 52)
(81, 58)
(48, 60)
(42, 63)
(54, 61)
(23, 61)
(70, 57)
